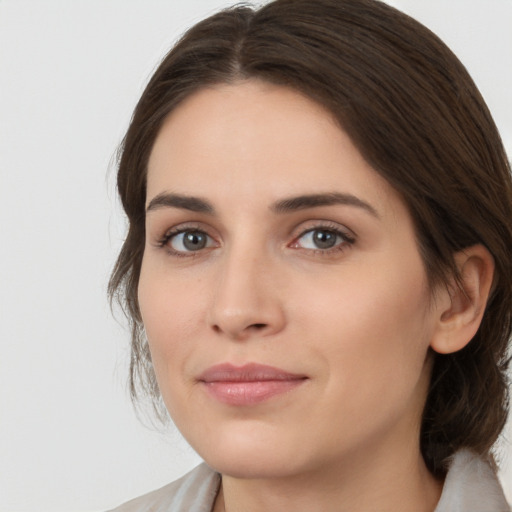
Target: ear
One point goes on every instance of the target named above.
(459, 309)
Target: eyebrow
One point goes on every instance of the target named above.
(327, 199)
(303, 202)
(168, 200)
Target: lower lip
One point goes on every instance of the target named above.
(250, 393)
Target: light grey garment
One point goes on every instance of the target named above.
(194, 492)
(470, 486)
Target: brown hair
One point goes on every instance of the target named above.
(417, 117)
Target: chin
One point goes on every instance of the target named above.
(249, 453)
(251, 465)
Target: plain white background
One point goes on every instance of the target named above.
(70, 74)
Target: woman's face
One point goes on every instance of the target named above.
(283, 295)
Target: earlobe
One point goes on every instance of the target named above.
(462, 305)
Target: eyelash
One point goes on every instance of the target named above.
(163, 242)
(345, 242)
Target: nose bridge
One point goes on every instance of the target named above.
(246, 302)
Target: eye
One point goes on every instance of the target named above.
(190, 240)
(319, 239)
(322, 239)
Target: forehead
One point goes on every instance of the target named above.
(243, 122)
(255, 139)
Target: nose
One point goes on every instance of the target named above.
(246, 302)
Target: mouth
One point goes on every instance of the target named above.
(249, 384)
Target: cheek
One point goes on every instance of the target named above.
(374, 329)
(361, 299)
(173, 314)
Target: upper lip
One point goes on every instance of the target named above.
(250, 372)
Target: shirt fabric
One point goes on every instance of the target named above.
(470, 486)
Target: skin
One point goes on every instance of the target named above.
(357, 319)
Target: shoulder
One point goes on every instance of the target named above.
(195, 491)
(471, 485)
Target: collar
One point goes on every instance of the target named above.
(471, 485)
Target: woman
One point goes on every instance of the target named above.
(317, 265)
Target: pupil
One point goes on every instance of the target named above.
(324, 239)
(194, 240)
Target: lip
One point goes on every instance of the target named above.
(249, 384)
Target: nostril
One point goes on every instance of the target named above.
(239, 327)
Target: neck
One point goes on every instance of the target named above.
(379, 481)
